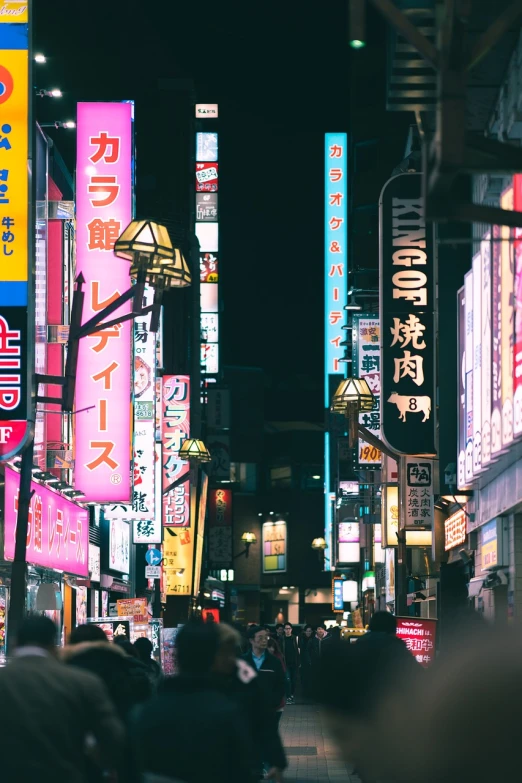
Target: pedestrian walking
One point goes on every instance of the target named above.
(268, 667)
(212, 742)
(317, 647)
(143, 647)
(290, 652)
(50, 711)
(280, 634)
(243, 684)
(273, 649)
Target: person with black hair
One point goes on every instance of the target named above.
(304, 640)
(143, 648)
(290, 652)
(49, 712)
(125, 678)
(219, 750)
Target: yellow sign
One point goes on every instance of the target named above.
(455, 530)
(413, 537)
(14, 11)
(14, 193)
(178, 555)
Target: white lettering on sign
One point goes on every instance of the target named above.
(409, 231)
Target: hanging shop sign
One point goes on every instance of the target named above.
(337, 595)
(348, 538)
(455, 530)
(407, 289)
(133, 607)
(419, 500)
(220, 528)
(274, 547)
(175, 428)
(143, 475)
(178, 560)
(420, 638)
(390, 522)
(94, 563)
(494, 544)
(207, 110)
(104, 169)
(150, 531)
(16, 245)
(517, 358)
(367, 364)
(485, 348)
(507, 328)
(119, 546)
(206, 146)
(57, 529)
(207, 177)
(461, 376)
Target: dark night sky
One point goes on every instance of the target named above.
(280, 72)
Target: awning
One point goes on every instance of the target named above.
(475, 586)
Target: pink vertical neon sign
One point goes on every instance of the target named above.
(103, 210)
(175, 428)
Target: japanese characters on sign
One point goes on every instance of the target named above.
(119, 546)
(16, 342)
(495, 543)
(461, 370)
(104, 209)
(335, 287)
(220, 528)
(420, 497)
(507, 327)
(57, 529)
(274, 547)
(178, 561)
(337, 595)
(94, 563)
(133, 607)
(207, 232)
(419, 637)
(175, 428)
(143, 485)
(455, 530)
(407, 289)
(476, 362)
(335, 232)
(367, 365)
(150, 531)
(348, 537)
(517, 359)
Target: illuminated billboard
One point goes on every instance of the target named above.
(16, 330)
(335, 278)
(366, 336)
(103, 210)
(175, 429)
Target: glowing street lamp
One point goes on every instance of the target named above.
(40, 58)
(194, 450)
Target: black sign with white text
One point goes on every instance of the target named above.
(407, 292)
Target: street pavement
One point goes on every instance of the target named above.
(311, 753)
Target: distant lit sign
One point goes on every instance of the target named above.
(208, 236)
(206, 207)
(366, 335)
(348, 488)
(119, 546)
(492, 540)
(207, 177)
(206, 146)
(206, 110)
(420, 496)
(336, 184)
(274, 547)
(455, 530)
(209, 359)
(419, 637)
(337, 595)
(208, 267)
(94, 563)
(348, 537)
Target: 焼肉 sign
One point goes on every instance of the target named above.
(407, 291)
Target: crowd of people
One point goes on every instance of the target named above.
(99, 711)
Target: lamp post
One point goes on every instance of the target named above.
(148, 248)
(319, 545)
(352, 396)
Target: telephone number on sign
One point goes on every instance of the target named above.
(369, 454)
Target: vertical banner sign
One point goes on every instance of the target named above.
(507, 329)
(142, 507)
(207, 232)
(468, 299)
(220, 528)
(407, 290)
(175, 428)
(420, 494)
(517, 360)
(477, 364)
(496, 384)
(16, 336)
(335, 276)
(367, 365)
(485, 340)
(103, 210)
(461, 375)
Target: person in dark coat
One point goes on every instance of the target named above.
(267, 666)
(304, 640)
(125, 678)
(143, 648)
(290, 651)
(192, 731)
(243, 684)
(49, 710)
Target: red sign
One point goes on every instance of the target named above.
(208, 267)
(210, 615)
(207, 177)
(419, 636)
(220, 508)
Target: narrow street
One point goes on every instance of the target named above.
(312, 755)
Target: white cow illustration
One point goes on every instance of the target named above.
(406, 404)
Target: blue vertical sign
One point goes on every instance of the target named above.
(335, 276)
